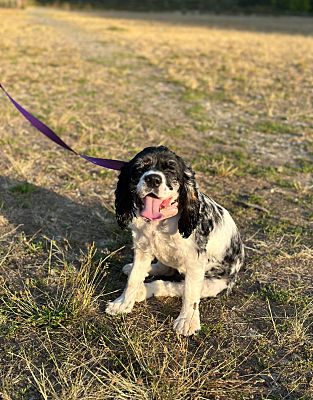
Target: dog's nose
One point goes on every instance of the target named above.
(153, 180)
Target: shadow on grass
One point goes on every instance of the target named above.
(297, 25)
(43, 215)
(42, 212)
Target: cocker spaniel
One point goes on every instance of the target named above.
(185, 230)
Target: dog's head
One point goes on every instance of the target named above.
(158, 184)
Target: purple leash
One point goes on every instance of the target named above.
(41, 127)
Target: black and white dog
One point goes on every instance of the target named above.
(179, 226)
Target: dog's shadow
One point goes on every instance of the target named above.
(39, 211)
(42, 215)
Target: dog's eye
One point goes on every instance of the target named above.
(143, 164)
(141, 168)
(169, 165)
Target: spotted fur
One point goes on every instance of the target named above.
(201, 242)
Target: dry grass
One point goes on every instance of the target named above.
(230, 94)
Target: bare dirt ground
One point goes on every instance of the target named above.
(233, 96)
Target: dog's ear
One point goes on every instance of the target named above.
(188, 203)
(124, 201)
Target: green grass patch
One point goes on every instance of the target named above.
(281, 295)
(219, 96)
(274, 293)
(304, 166)
(114, 28)
(192, 95)
(196, 111)
(23, 188)
(178, 132)
(274, 127)
(275, 227)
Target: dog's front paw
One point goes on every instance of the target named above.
(187, 324)
(119, 306)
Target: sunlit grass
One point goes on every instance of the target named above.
(233, 101)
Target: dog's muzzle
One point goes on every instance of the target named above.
(153, 180)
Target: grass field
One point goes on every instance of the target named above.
(234, 97)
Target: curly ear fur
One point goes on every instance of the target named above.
(188, 204)
(124, 201)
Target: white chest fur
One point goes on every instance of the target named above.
(163, 241)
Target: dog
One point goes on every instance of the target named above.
(180, 227)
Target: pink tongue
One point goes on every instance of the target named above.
(151, 208)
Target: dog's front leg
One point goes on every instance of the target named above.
(188, 321)
(125, 303)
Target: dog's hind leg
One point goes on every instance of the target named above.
(211, 288)
(156, 269)
(160, 288)
(159, 269)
